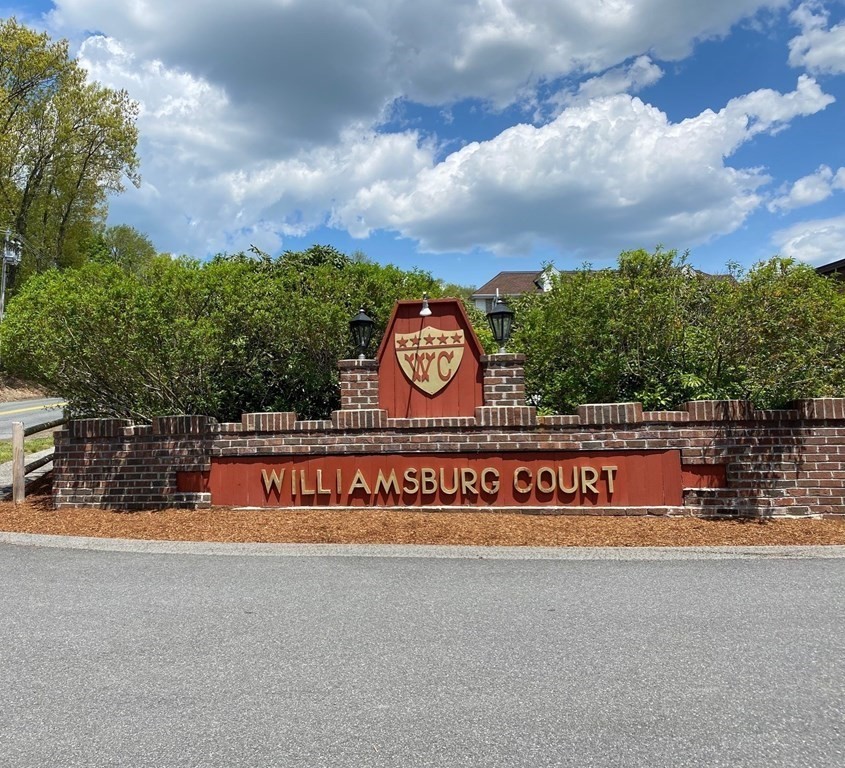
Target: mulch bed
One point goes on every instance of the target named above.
(413, 527)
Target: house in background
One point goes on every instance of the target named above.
(508, 284)
(835, 270)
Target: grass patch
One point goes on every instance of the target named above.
(31, 445)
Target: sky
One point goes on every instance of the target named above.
(465, 137)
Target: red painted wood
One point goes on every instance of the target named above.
(192, 482)
(703, 476)
(464, 391)
(673, 486)
(641, 478)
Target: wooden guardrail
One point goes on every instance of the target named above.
(20, 469)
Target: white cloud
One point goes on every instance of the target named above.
(260, 120)
(605, 174)
(816, 242)
(187, 141)
(295, 73)
(810, 189)
(641, 73)
(179, 111)
(202, 178)
(314, 183)
(819, 48)
(265, 202)
(304, 69)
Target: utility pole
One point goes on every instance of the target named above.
(11, 257)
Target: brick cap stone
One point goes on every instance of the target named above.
(611, 413)
(367, 364)
(506, 416)
(184, 425)
(137, 430)
(313, 425)
(720, 410)
(665, 416)
(504, 359)
(366, 418)
(821, 408)
(817, 408)
(559, 420)
(279, 421)
(97, 427)
(437, 422)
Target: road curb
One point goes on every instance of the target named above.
(226, 549)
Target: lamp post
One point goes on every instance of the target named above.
(361, 327)
(11, 257)
(426, 310)
(501, 323)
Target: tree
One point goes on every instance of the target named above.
(658, 332)
(780, 335)
(65, 144)
(237, 334)
(122, 245)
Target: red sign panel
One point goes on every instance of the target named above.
(429, 365)
(597, 478)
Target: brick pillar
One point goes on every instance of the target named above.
(504, 379)
(359, 408)
(504, 392)
(358, 384)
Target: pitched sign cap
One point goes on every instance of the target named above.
(430, 366)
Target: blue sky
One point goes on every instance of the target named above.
(470, 136)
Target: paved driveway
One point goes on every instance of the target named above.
(30, 412)
(143, 659)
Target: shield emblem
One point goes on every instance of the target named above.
(430, 357)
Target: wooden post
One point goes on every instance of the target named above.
(18, 472)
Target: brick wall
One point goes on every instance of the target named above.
(766, 463)
(115, 464)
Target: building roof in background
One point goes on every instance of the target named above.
(834, 269)
(511, 284)
(518, 283)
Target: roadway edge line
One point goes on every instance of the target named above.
(432, 551)
(30, 409)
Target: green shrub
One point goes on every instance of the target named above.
(656, 331)
(234, 335)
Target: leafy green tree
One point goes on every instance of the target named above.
(113, 343)
(317, 256)
(240, 333)
(122, 245)
(656, 331)
(456, 291)
(65, 144)
(780, 335)
(248, 333)
(567, 337)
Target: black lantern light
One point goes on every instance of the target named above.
(361, 327)
(501, 323)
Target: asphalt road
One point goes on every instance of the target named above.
(30, 412)
(126, 659)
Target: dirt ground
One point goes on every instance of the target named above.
(392, 527)
(12, 389)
